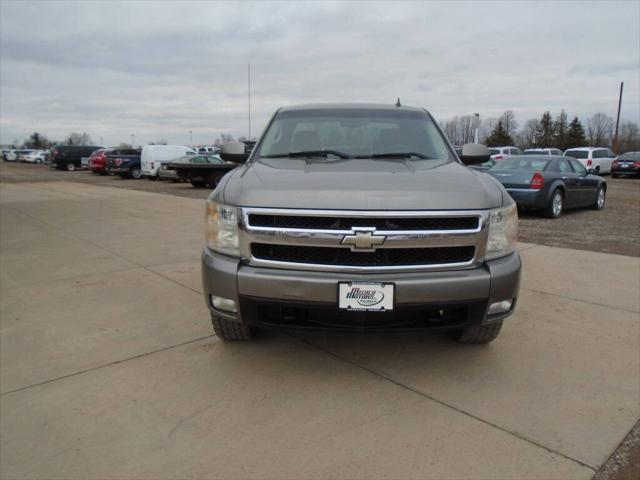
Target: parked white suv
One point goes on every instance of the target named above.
(498, 153)
(543, 151)
(595, 159)
(36, 156)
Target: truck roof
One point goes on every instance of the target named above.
(354, 106)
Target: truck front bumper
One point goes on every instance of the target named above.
(294, 298)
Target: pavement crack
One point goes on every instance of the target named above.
(110, 364)
(115, 254)
(413, 390)
(187, 418)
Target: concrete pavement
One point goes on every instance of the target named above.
(108, 368)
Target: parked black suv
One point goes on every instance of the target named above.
(69, 157)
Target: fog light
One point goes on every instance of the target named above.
(225, 304)
(500, 307)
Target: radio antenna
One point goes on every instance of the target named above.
(249, 91)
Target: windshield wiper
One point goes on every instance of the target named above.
(399, 155)
(309, 154)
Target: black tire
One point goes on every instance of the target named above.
(122, 175)
(597, 170)
(614, 175)
(551, 211)
(198, 183)
(135, 173)
(480, 333)
(213, 180)
(599, 204)
(71, 167)
(230, 331)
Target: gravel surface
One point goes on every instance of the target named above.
(624, 463)
(616, 229)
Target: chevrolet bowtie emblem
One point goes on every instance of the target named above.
(363, 240)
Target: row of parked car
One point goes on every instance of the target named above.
(25, 155)
(201, 166)
(598, 160)
(552, 181)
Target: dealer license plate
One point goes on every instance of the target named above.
(360, 296)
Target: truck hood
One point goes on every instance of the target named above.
(360, 184)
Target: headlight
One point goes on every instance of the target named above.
(503, 232)
(222, 229)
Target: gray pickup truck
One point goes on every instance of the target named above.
(359, 217)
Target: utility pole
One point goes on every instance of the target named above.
(249, 88)
(615, 137)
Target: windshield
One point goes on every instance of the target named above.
(522, 164)
(576, 154)
(354, 133)
(535, 152)
(494, 151)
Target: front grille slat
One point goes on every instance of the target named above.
(380, 223)
(382, 257)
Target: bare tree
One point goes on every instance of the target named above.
(486, 127)
(76, 138)
(509, 122)
(527, 136)
(599, 130)
(629, 137)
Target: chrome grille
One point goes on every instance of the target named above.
(313, 239)
(380, 223)
(382, 257)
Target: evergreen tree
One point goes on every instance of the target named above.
(561, 128)
(499, 136)
(575, 135)
(545, 133)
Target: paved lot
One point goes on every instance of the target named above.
(108, 368)
(616, 229)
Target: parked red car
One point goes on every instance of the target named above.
(99, 163)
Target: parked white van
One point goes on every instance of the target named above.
(153, 156)
(595, 159)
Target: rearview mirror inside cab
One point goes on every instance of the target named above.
(233, 152)
(474, 153)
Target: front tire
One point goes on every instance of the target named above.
(230, 331)
(556, 204)
(71, 167)
(136, 173)
(479, 334)
(601, 199)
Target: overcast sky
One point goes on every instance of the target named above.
(158, 70)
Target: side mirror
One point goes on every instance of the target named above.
(233, 152)
(474, 153)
